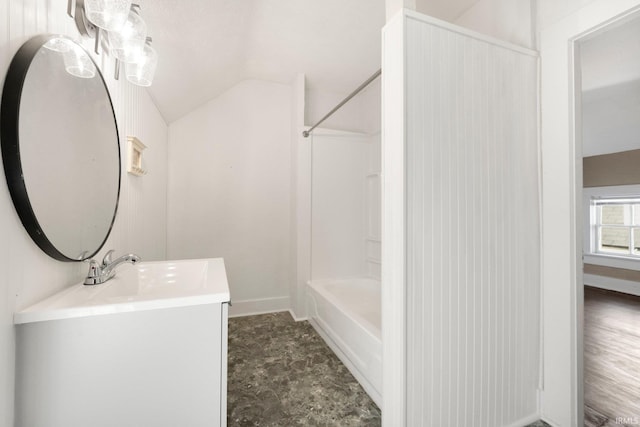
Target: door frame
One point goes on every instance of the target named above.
(562, 394)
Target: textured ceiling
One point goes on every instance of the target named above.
(207, 46)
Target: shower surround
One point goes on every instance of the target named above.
(343, 295)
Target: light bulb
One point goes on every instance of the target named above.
(141, 71)
(78, 63)
(107, 14)
(59, 44)
(128, 44)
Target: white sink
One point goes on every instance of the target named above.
(143, 286)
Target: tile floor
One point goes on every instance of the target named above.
(281, 373)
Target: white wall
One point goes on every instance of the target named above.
(230, 188)
(346, 184)
(610, 79)
(460, 143)
(509, 20)
(373, 222)
(26, 273)
(552, 11)
(300, 206)
(562, 185)
(392, 7)
(610, 119)
(360, 114)
(141, 224)
(339, 208)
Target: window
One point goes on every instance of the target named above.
(611, 232)
(615, 226)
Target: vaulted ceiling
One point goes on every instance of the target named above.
(207, 46)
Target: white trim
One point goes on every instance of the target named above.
(550, 422)
(300, 179)
(320, 131)
(302, 195)
(259, 306)
(296, 318)
(588, 242)
(562, 208)
(466, 32)
(612, 284)
(393, 269)
(541, 236)
(612, 261)
(525, 421)
(576, 172)
(224, 373)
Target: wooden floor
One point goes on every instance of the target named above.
(611, 359)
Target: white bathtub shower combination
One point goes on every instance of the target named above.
(343, 296)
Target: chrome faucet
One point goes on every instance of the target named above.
(100, 273)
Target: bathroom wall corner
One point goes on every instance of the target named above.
(300, 202)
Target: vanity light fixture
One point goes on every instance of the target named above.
(126, 39)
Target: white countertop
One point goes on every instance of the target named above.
(143, 286)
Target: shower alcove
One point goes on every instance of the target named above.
(338, 235)
(343, 293)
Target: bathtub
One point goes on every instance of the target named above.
(346, 313)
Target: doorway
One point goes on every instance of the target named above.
(607, 96)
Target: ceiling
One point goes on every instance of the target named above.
(610, 71)
(207, 46)
(611, 57)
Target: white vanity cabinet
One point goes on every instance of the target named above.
(122, 361)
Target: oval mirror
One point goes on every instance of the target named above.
(60, 147)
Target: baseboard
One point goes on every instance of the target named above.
(611, 284)
(296, 318)
(549, 421)
(259, 306)
(525, 421)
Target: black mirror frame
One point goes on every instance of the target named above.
(10, 146)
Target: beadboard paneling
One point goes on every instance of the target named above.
(472, 229)
(26, 273)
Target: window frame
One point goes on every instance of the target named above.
(633, 204)
(591, 255)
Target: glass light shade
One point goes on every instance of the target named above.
(107, 14)
(142, 71)
(59, 44)
(78, 63)
(127, 44)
